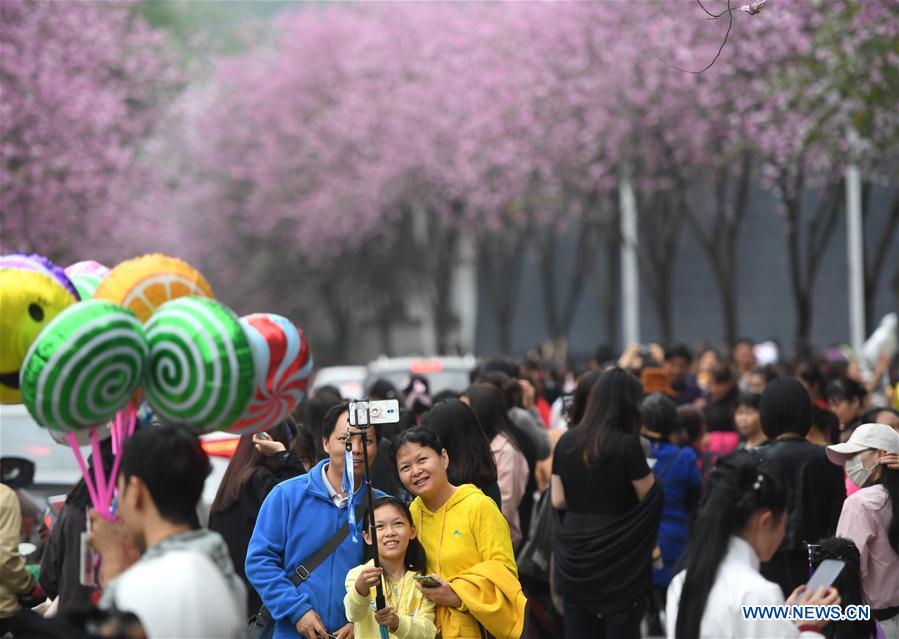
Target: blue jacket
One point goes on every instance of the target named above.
(296, 519)
(678, 473)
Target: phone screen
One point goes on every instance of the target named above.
(827, 573)
(87, 575)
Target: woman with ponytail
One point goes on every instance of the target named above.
(741, 523)
(849, 583)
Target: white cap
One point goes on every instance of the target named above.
(866, 436)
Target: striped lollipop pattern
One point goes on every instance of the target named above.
(282, 363)
(86, 276)
(84, 367)
(201, 369)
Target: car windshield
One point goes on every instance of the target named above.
(20, 436)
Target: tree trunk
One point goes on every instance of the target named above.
(720, 243)
(443, 283)
(546, 258)
(818, 232)
(874, 268)
(657, 253)
(608, 297)
(339, 319)
(559, 322)
(385, 335)
(500, 263)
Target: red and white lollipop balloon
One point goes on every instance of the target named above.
(283, 365)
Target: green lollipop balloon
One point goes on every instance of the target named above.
(84, 366)
(201, 372)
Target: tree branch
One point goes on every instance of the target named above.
(730, 24)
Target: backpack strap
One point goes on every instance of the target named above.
(301, 573)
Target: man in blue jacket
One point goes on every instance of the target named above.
(297, 518)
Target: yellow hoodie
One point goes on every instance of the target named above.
(416, 613)
(468, 543)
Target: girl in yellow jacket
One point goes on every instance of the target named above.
(408, 614)
(467, 542)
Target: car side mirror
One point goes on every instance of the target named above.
(16, 472)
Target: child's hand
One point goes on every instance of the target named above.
(367, 579)
(388, 617)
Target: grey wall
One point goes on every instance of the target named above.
(765, 301)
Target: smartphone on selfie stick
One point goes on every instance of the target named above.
(362, 414)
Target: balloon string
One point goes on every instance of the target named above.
(115, 431)
(73, 442)
(99, 474)
(124, 423)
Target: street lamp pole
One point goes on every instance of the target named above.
(630, 279)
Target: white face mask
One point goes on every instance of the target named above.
(856, 470)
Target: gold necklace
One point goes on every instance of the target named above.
(397, 592)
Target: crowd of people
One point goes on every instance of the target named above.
(653, 493)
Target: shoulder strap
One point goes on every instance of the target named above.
(664, 471)
(301, 573)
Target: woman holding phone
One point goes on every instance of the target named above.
(741, 522)
(467, 541)
(260, 462)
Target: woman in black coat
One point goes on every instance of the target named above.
(260, 462)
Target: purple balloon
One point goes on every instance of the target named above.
(39, 264)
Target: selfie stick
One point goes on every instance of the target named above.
(362, 431)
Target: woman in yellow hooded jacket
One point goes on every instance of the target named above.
(467, 542)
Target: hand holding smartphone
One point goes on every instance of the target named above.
(825, 575)
(427, 581)
(88, 565)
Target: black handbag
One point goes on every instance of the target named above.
(262, 624)
(534, 556)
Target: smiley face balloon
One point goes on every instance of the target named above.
(29, 300)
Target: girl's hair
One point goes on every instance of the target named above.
(581, 392)
(691, 420)
(424, 437)
(488, 404)
(809, 372)
(749, 400)
(304, 444)
(415, 560)
(845, 388)
(312, 413)
(785, 407)
(613, 406)
(508, 386)
(739, 487)
(849, 585)
(870, 416)
(244, 464)
(890, 480)
(457, 426)
(659, 414)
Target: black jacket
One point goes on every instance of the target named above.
(236, 524)
(816, 489)
(61, 562)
